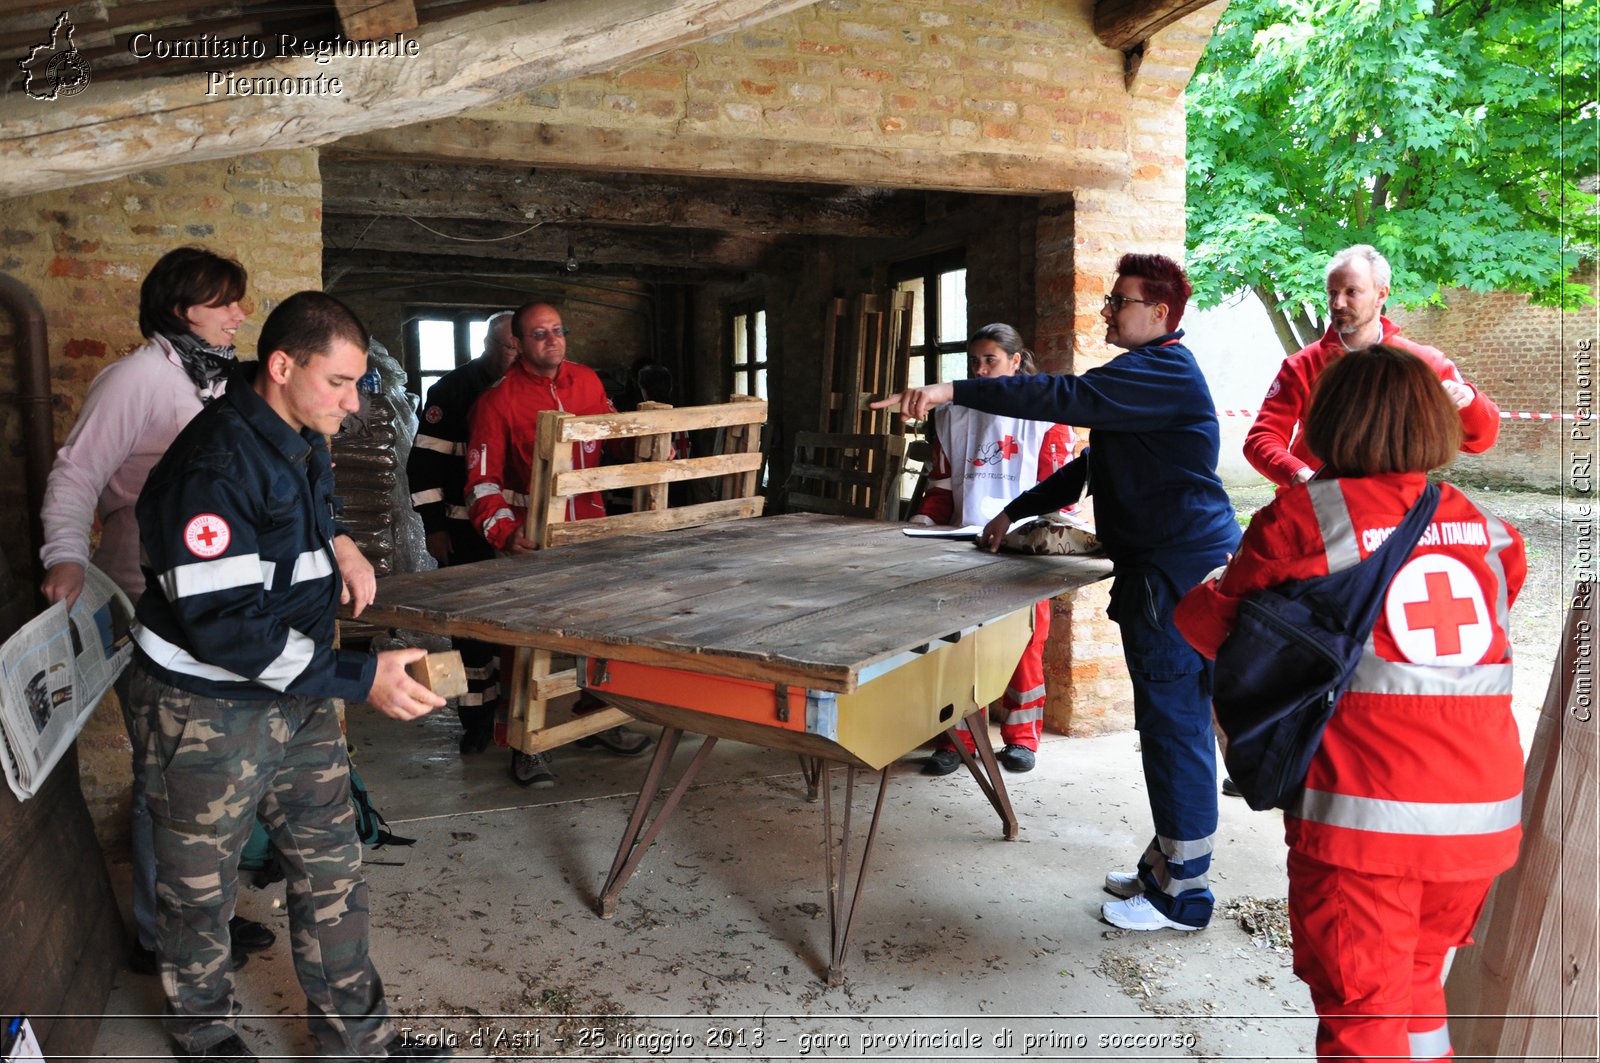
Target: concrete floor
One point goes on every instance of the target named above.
(965, 945)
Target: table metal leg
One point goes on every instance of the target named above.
(632, 848)
(989, 778)
(842, 909)
(811, 769)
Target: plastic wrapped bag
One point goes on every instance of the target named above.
(369, 456)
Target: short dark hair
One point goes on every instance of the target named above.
(1163, 281)
(185, 277)
(1381, 410)
(306, 324)
(1009, 340)
(528, 308)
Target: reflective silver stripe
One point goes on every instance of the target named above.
(269, 569)
(1173, 849)
(1429, 1045)
(1499, 542)
(1022, 697)
(1018, 716)
(1374, 675)
(458, 512)
(440, 446)
(177, 659)
(943, 485)
(297, 652)
(496, 517)
(516, 498)
(431, 495)
(313, 564)
(480, 697)
(484, 490)
(207, 577)
(1160, 866)
(1431, 818)
(1333, 520)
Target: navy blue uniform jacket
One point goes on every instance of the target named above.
(1151, 464)
(236, 528)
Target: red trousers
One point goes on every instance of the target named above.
(1372, 950)
(1023, 701)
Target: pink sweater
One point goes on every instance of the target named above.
(135, 409)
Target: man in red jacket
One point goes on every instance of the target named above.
(1358, 284)
(500, 444)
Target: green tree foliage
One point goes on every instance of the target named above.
(1455, 136)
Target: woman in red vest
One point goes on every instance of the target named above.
(1413, 802)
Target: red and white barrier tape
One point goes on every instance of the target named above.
(1505, 415)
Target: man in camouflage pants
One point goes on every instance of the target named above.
(233, 682)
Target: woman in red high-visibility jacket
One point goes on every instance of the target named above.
(1413, 802)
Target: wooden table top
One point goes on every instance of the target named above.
(801, 599)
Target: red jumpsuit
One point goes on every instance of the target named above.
(505, 427)
(1276, 447)
(1023, 701)
(1413, 802)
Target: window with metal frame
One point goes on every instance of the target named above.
(747, 346)
(939, 323)
(438, 340)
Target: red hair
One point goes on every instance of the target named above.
(1163, 281)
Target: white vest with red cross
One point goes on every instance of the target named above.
(987, 459)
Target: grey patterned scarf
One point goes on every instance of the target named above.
(205, 364)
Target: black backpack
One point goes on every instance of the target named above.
(1290, 657)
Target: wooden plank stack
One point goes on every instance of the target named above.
(852, 467)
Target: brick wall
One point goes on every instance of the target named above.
(84, 252)
(1521, 355)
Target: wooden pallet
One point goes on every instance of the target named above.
(533, 680)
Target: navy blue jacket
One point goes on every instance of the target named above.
(437, 467)
(1151, 464)
(236, 529)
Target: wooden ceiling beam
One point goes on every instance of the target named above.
(1123, 24)
(548, 245)
(366, 20)
(700, 155)
(521, 194)
(395, 270)
(124, 127)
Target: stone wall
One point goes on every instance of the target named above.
(83, 252)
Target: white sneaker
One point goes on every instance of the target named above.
(1123, 883)
(1137, 913)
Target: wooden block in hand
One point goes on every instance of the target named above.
(442, 673)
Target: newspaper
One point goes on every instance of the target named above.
(53, 672)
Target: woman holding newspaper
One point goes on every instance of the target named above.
(980, 462)
(1412, 802)
(189, 309)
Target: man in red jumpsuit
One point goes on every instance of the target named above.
(500, 443)
(1358, 283)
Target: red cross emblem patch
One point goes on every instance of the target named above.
(434, 415)
(206, 535)
(1437, 613)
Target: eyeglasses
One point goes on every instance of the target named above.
(539, 335)
(1117, 302)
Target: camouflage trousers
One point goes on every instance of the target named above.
(211, 766)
